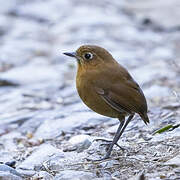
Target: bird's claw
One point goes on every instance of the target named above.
(97, 160)
(108, 142)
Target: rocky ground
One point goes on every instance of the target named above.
(46, 132)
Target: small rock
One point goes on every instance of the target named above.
(20, 75)
(11, 163)
(59, 162)
(9, 176)
(7, 169)
(52, 128)
(6, 156)
(43, 175)
(72, 174)
(26, 173)
(177, 171)
(174, 161)
(81, 142)
(38, 157)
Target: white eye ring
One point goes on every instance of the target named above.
(88, 56)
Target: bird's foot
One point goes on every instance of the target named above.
(108, 143)
(98, 160)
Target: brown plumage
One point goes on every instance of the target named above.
(107, 88)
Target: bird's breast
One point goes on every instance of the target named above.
(87, 93)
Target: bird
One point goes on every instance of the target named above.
(107, 88)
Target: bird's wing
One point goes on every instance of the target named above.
(107, 96)
(124, 96)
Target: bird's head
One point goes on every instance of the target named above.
(90, 55)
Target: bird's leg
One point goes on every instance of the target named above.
(109, 141)
(114, 140)
(118, 134)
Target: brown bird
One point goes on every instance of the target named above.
(107, 88)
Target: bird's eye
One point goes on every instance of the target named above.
(88, 55)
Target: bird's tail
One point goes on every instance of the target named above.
(145, 118)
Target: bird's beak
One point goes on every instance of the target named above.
(71, 54)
